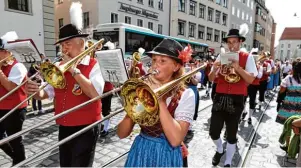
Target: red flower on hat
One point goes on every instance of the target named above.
(185, 55)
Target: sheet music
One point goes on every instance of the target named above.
(24, 51)
(226, 56)
(112, 65)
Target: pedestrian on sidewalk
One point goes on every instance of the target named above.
(160, 145)
(34, 68)
(228, 102)
(12, 74)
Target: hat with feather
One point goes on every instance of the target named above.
(9, 36)
(74, 29)
(241, 33)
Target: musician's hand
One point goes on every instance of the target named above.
(234, 63)
(216, 65)
(296, 130)
(32, 87)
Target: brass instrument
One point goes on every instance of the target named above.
(229, 74)
(90, 43)
(134, 72)
(54, 75)
(141, 101)
(8, 59)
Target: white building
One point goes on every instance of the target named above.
(289, 44)
(205, 21)
(30, 19)
(152, 14)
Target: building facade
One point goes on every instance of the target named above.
(30, 19)
(263, 27)
(243, 11)
(289, 44)
(205, 21)
(152, 14)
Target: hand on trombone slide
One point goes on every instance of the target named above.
(32, 87)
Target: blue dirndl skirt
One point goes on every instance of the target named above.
(271, 82)
(147, 151)
(203, 76)
(276, 79)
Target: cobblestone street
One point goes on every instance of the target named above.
(108, 149)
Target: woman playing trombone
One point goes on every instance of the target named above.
(160, 145)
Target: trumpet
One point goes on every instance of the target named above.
(8, 59)
(141, 101)
(134, 72)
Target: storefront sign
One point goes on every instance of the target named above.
(138, 11)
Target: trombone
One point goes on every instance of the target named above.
(54, 75)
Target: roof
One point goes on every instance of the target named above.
(291, 33)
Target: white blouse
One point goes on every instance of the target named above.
(17, 73)
(186, 106)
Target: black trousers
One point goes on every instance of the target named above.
(206, 80)
(12, 124)
(226, 109)
(79, 152)
(106, 105)
(34, 104)
(252, 92)
(284, 75)
(262, 88)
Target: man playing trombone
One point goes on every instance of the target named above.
(84, 81)
(12, 74)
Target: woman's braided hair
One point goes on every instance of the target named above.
(297, 69)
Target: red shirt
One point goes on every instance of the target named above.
(239, 88)
(256, 80)
(15, 98)
(264, 76)
(65, 99)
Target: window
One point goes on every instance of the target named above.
(19, 5)
(288, 53)
(243, 15)
(252, 5)
(248, 3)
(218, 2)
(192, 5)
(247, 16)
(289, 46)
(61, 22)
(182, 5)
(181, 27)
(192, 29)
(160, 4)
(233, 10)
(140, 22)
(225, 19)
(86, 19)
(224, 34)
(210, 14)
(209, 33)
(114, 18)
(225, 3)
(151, 3)
(243, 1)
(217, 16)
(140, 1)
(128, 20)
(238, 13)
(201, 32)
(151, 25)
(60, 1)
(251, 19)
(202, 11)
(282, 45)
(281, 54)
(160, 29)
(216, 35)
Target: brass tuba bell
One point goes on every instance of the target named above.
(229, 74)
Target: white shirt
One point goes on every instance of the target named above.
(250, 65)
(268, 68)
(260, 72)
(17, 73)
(286, 81)
(186, 106)
(95, 77)
(287, 68)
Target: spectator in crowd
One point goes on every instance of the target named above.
(286, 69)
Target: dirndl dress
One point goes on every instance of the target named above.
(277, 78)
(291, 104)
(271, 82)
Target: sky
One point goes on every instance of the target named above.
(283, 12)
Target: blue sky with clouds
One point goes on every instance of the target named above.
(283, 12)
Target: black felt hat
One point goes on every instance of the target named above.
(168, 47)
(1, 44)
(69, 31)
(234, 33)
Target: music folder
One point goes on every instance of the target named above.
(226, 56)
(24, 50)
(112, 65)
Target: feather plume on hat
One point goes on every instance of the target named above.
(243, 30)
(76, 15)
(9, 36)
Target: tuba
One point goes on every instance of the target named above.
(229, 74)
(141, 98)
